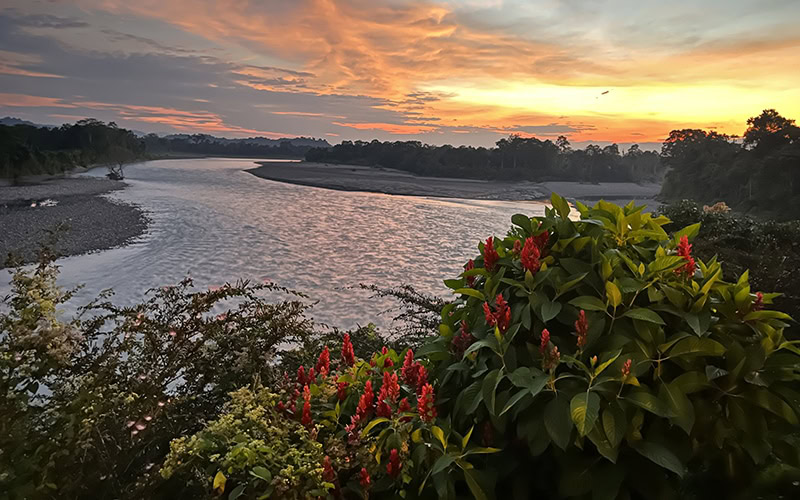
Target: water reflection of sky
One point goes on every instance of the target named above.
(214, 222)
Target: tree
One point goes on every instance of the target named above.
(769, 131)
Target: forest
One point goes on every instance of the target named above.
(31, 150)
(759, 172)
(513, 158)
(207, 145)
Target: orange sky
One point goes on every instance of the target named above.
(446, 71)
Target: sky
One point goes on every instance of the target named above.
(438, 71)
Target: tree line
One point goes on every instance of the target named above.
(206, 145)
(31, 150)
(513, 158)
(758, 172)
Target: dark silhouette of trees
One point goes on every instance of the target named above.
(512, 158)
(206, 145)
(769, 131)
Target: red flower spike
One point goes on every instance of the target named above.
(312, 376)
(425, 404)
(301, 375)
(758, 304)
(490, 256)
(500, 316)
(384, 350)
(409, 370)
(365, 402)
(390, 390)
(404, 406)
(383, 409)
(280, 407)
(469, 266)
(348, 356)
(684, 250)
(517, 247)
(530, 256)
(324, 362)
(582, 329)
(394, 466)
(463, 340)
(541, 241)
(388, 363)
(365, 480)
(306, 419)
(422, 377)
(626, 368)
(545, 341)
(328, 474)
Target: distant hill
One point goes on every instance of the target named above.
(11, 121)
(310, 142)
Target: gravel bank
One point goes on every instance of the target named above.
(88, 220)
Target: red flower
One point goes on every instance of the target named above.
(301, 375)
(490, 256)
(517, 247)
(759, 302)
(427, 412)
(626, 368)
(404, 406)
(545, 341)
(409, 370)
(469, 266)
(328, 474)
(530, 256)
(384, 350)
(463, 340)
(684, 250)
(341, 390)
(312, 376)
(365, 480)
(552, 358)
(390, 390)
(581, 328)
(306, 420)
(324, 362)
(501, 316)
(365, 402)
(280, 407)
(394, 465)
(541, 241)
(388, 363)
(422, 377)
(383, 409)
(348, 356)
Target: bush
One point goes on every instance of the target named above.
(606, 361)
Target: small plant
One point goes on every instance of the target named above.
(607, 361)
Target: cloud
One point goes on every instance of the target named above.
(31, 101)
(392, 128)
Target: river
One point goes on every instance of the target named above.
(215, 222)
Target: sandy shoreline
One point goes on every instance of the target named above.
(88, 220)
(388, 181)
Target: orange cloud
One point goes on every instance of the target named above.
(391, 128)
(31, 101)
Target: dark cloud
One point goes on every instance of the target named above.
(44, 20)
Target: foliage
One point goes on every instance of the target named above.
(770, 249)
(249, 451)
(90, 406)
(513, 158)
(29, 150)
(207, 145)
(606, 361)
(761, 174)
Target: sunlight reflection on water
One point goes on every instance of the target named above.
(214, 222)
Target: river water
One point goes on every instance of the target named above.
(215, 222)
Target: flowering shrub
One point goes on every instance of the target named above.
(606, 360)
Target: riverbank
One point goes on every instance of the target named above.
(73, 207)
(396, 182)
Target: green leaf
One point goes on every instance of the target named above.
(588, 303)
(454, 283)
(438, 433)
(605, 364)
(550, 310)
(643, 314)
(558, 421)
(473, 397)
(614, 424)
(514, 400)
(697, 347)
(489, 389)
(613, 294)
(769, 401)
(665, 263)
(372, 424)
(442, 463)
(660, 456)
(689, 231)
(584, 410)
(237, 492)
(261, 473)
(647, 401)
(565, 287)
(767, 315)
(471, 292)
(561, 205)
(691, 382)
(680, 405)
(522, 221)
(472, 476)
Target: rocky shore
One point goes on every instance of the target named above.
(71, 212)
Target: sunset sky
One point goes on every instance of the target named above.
(448, 71)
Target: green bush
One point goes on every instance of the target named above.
(607, 362)
(250, 451)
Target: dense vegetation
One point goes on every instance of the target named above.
(515, 158)
(206, 145)
(31, 150)
(596, 358)
(760, 172)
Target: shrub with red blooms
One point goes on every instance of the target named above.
(612, 351)
(425, 404)
(348, 356)
(394, 465)
(490, 255)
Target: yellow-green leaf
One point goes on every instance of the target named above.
(613, 294)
